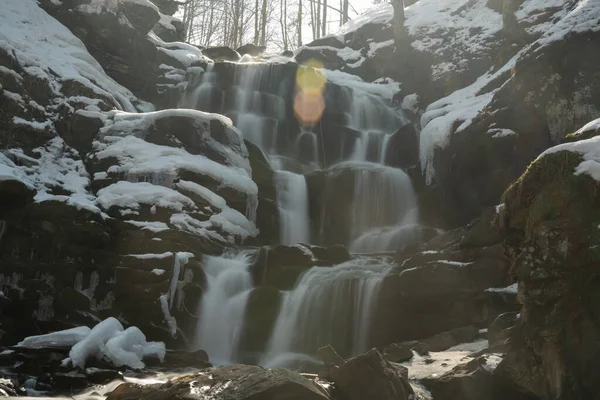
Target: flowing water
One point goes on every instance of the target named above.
(258, 98)
(329, 305)
(292, 197)
(223, 306)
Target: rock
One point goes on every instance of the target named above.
(550, 225)
(251, 49)
(222, 53)
(403, 148)
(329, 356)
(445, 340)
(101, 376)
(370, 376)
(69, 299)
(421, 348)
(500, 330)
(167, 7)
(398, 353)
(261, 313)
(141, 15)
(176, 359)
(327, 57)
(267, 214)
(7, 388)
(280, 265)
(236, 382)
(335, 254)
(474, 380)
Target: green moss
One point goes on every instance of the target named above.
(548, 190)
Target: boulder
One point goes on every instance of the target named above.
(398, 353)
(474, 380)
(222, 53)
(445, 340)
(550, 224)
(500, 330)
(251, 49)
(403, 148)
(281, 265)
(236, 382)
(329, 356)
(261, 313)
(370, 376)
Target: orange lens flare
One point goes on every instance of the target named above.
(310, 85)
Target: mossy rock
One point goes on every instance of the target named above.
(548, 190)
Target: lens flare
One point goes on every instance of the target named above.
(310, 85)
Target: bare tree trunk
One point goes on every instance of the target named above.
(398, 23)
(345, 12)
(313, 19)
(318, 11)
(263, 40)
(256, 23)
(324, 28)
(299, 23)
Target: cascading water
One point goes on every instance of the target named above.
(375, 121)
(292, 197)
(223, 306)
(258, 97)
(329, 305)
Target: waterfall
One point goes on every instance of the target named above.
(223, 306)
(375, 121)
(292, 199)
(329, 305)
(259, 99)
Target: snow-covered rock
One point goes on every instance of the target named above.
(108, 340)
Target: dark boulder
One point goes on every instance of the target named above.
(500, 330)
(398, 353)
(370, 376)
(475, 380)
(403, 148)
(445, 340)
(222, 53)
(236, 382)
(251, 49)
(550, 223)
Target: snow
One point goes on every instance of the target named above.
(461, 106)
(438, 363)
(151, 256)
(583, 17)
(512, 289)
(158, 272)
(411, 102)
(132, 195)
(500, 133)
(374, 47)
(589, 149)
(170, 320)
(122, 347)
(590, 126)
(54, 165)
(48, 50)
(385, 90)
(440, 24)
(380, 14)
(137, 156)
(66, 338)
(34, 124)
(150, 226)
(448, 262)
(491, 362)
